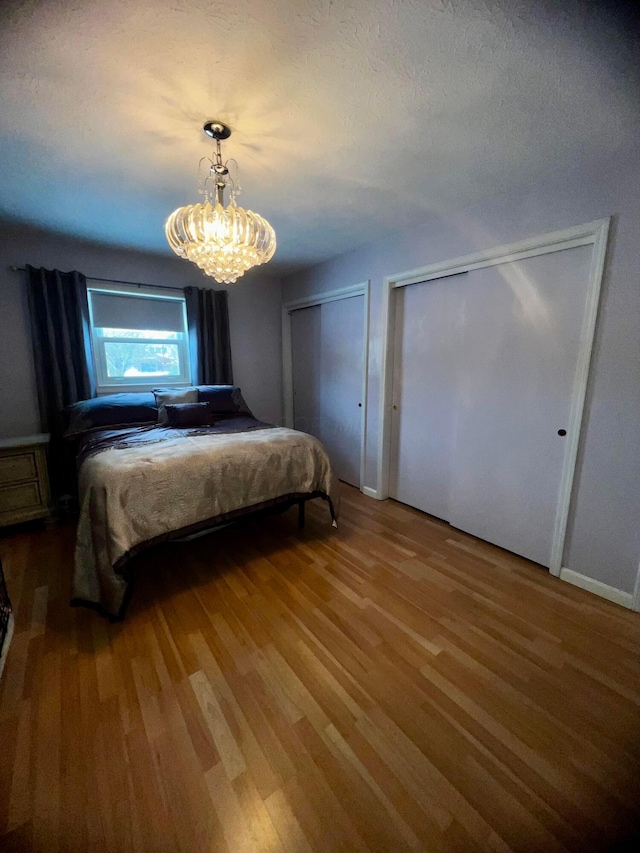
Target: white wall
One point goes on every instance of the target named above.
(604, 531)
(254, 316)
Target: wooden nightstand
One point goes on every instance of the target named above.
(24, 482)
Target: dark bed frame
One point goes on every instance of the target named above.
(75, 449)
(270, 507)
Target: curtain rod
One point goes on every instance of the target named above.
(111, 280)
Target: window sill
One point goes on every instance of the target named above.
(104, 390)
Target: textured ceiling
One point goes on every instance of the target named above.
(350, 118)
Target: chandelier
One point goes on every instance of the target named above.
(223, 241)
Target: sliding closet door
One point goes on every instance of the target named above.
(426, 353)
(328, 370)
(484, 369)
(305, 346)
(519, 345)
(342, 370)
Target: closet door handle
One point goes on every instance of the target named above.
(395, 408)
(562, 432)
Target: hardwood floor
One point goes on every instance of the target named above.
(392, 685)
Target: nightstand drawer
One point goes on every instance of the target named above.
(25, 496)
(24, 483)
(20, 466)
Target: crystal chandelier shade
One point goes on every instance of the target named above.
(223, 241)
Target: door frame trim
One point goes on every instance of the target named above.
(360, 289)
(591, 233)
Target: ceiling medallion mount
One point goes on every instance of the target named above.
(223, 241)
(217, 130)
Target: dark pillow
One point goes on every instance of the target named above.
(173, 395)
(188, 414)
(112, 410)
(223, 399)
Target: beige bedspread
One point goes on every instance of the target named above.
(130, 496)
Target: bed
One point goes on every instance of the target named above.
(141, 483)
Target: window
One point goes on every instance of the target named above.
(139, 339)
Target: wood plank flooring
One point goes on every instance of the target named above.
(392, 685)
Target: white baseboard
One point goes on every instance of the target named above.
(618, 596)
(370, 493)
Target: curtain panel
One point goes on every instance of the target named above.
(61, 339)
(209, 339)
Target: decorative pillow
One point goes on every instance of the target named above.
(173, 395)
(188, 414)
(112, 410)
(223, 399)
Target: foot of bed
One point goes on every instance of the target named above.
(301, 506)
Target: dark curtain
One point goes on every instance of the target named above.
(61, 340)
(209, 341)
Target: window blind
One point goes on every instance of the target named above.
(128, 311)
